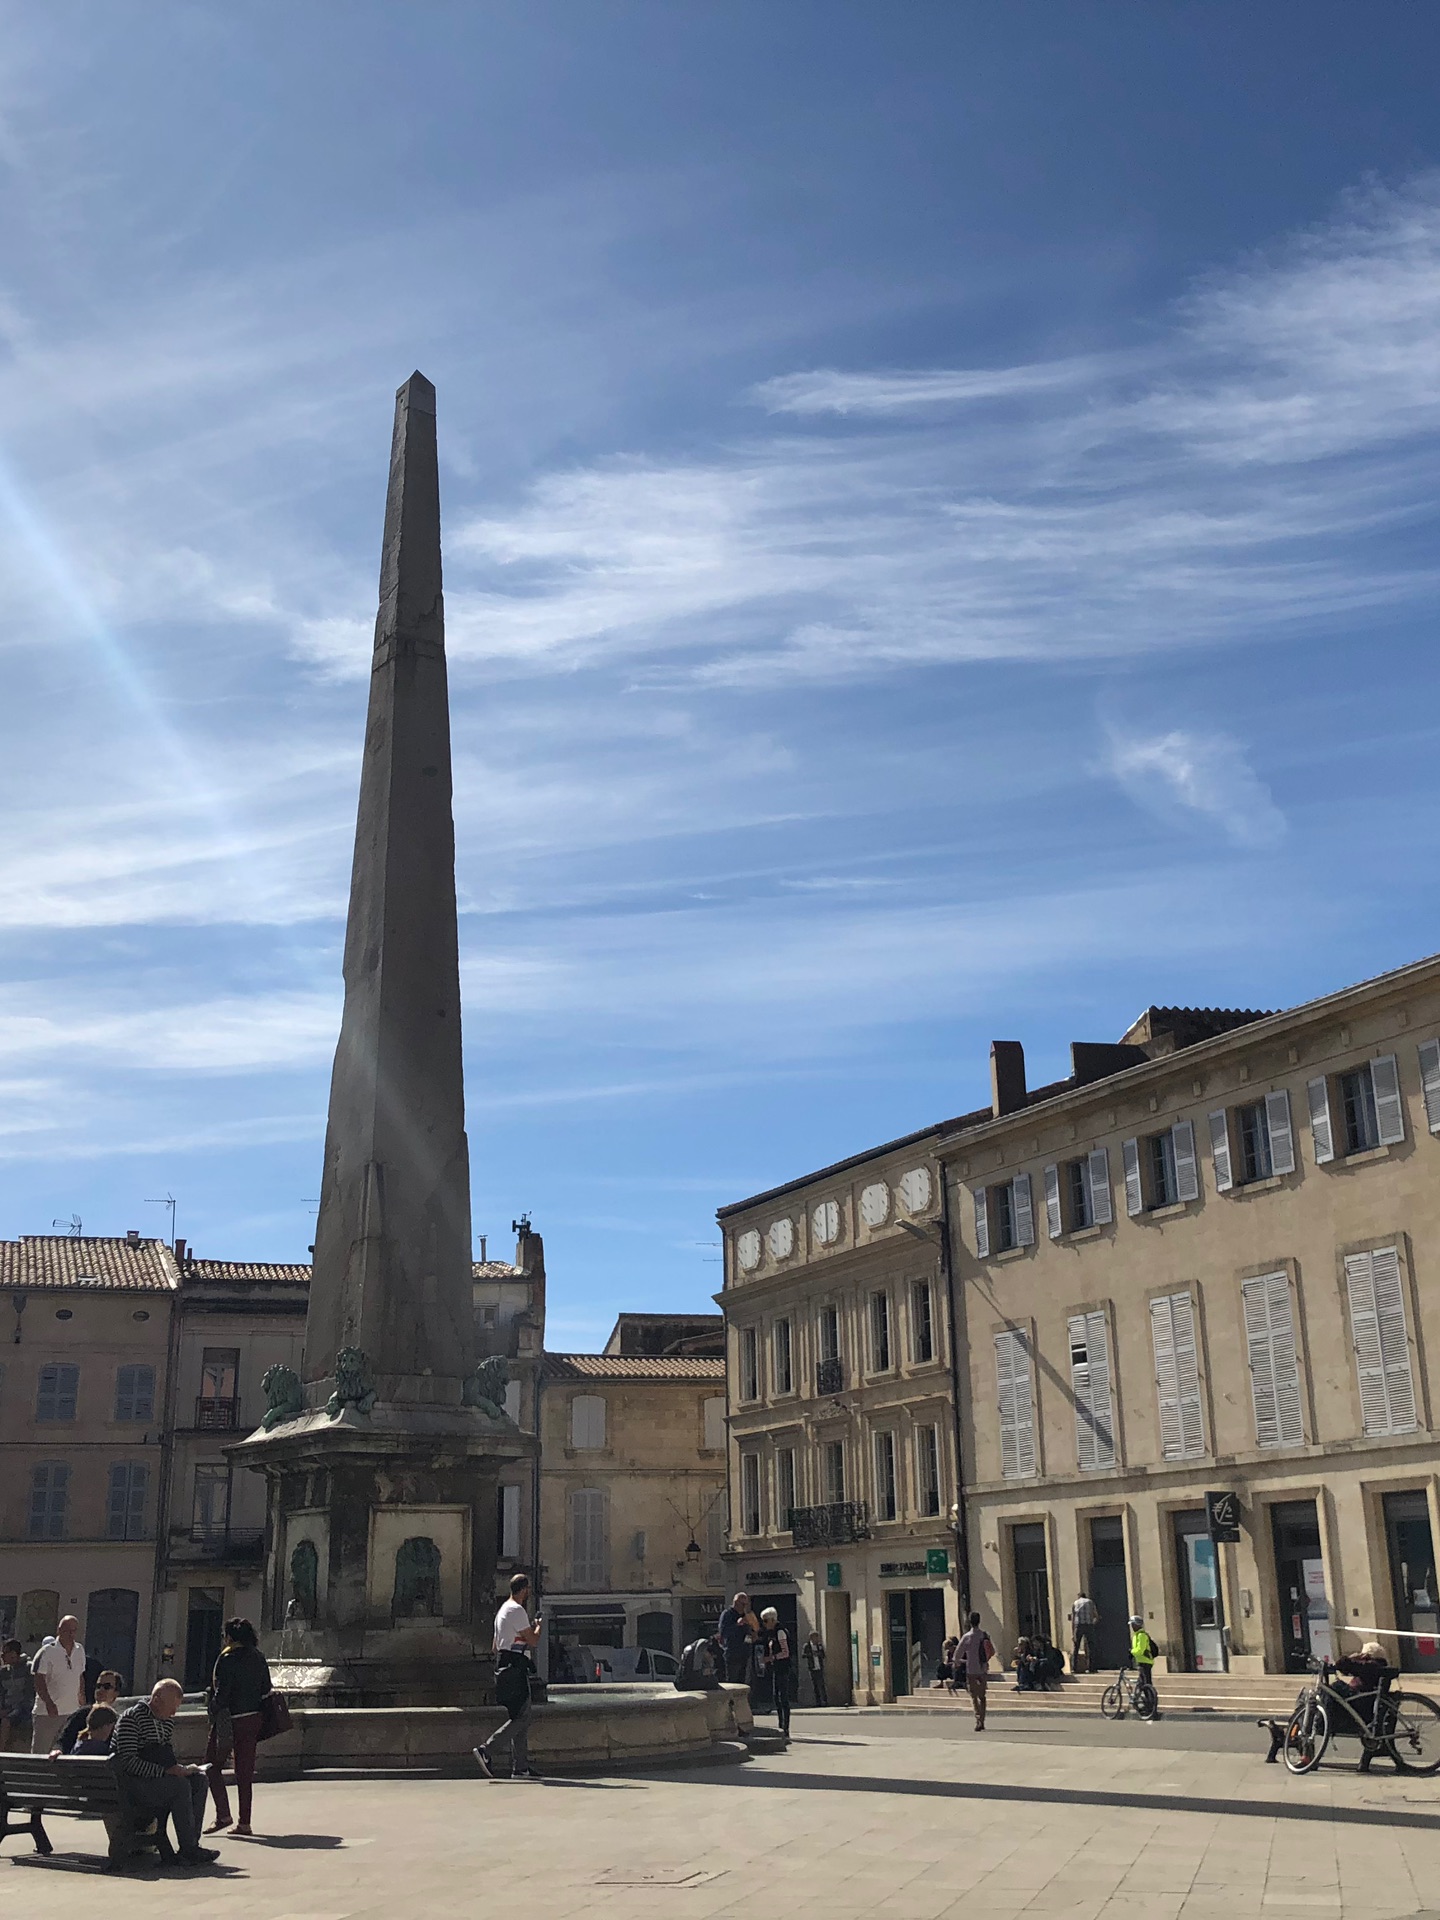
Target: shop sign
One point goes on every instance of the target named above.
(768, 1579)
(1222, 1516)
(901, 1569)
(937, 1563)
(832, 1573)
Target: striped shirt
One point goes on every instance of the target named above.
(137, 1729)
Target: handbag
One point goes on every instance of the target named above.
(274, 1716)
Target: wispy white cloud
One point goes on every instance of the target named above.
(828, 390)
(1204, 775)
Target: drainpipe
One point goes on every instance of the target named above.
(165, 1478)
(962, 1526)
(537, 1575)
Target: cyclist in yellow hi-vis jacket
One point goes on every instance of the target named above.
(1143, 1652)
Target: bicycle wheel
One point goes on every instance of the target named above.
(1112, 1702)
(1306, 1737)
(1147, 1701)
(1415, 1733)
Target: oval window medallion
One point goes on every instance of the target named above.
(915, 1190)
(747, 1250)
(875, 1205)
(782, 1239)
(826, 1221)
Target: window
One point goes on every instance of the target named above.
(750, 1493)
(829, 1333)
(1161, 1170)
(587, 1422)
(1274, 1362)
(1016, 1396)
(749, 1364)
(512, 1401)
(922, 1322)
(785, 1488)
(129, 1483)
(1090, 1384)
(713, 1416)
(507, 1523)
(1371, 1110)
(135, 1393)
(1382, 1348)
(1004, 1217)
(1264, 1142)
(1428, 1054)
(1077, 1194)
(49, 1495)
(927, 1470)
(587, 1538)
(832, 1460)
(879, 1333)
(59, 1389)
(210, 1512)
(784, 1369)
(219, 1373)
(885, 1501)
(1177, 1376)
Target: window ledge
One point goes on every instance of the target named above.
(1272, 1183)
(1010, 1253)
(589, 1453)
(1084, 1233)
(1364, 1159)
(1172, 1212)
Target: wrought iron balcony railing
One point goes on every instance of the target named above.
(228, 1543)
(835, 1525)
(212, 1413)
(830, 1376)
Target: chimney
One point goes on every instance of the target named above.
(180, 1252)
(483, 1238)
(132, 1236)
(1007, 1077)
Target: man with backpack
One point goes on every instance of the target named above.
(972, 1658)
(1143, 1655)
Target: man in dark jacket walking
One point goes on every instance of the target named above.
(736, 1636)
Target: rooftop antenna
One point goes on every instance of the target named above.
(168, 1201)
(72, 1226)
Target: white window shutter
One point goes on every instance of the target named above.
(1282, 1134)
(509, 1522)
(1090, 1383)
(1389, 1107)
(1101, 1212)
(1220, 1150)
(1024, 1211)
(1274, 1362)
(1167, 1386)
(1054, 1221)
(1187, 1171)
(1134, 1192)
(1187, 1368)
(1430, 1082)
(1394, 1344)
(982, 1222)
(1177, 1376)
(1017, 1405)
(1317, 1092)
(1365, 1333)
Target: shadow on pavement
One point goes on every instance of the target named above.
(299, 1840)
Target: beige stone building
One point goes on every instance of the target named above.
(842, 1434)
(84, 1373)
(632, 1493)
(1209, 1264)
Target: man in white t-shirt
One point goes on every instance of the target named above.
(58, 1671)
(515, 1635)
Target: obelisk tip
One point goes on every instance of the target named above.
(418, 393)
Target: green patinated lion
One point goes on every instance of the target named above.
(485, 1388)
(353, 1386)
(284, 1396)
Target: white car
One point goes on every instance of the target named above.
(612, 1664)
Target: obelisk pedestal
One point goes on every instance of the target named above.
(381, 1463)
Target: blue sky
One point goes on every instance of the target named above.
(940, 545)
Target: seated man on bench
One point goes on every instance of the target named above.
(151, 1778)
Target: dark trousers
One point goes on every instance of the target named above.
(515, 1734)
(183, 1798)
(1084, 1637)
(780, 1687)
(737, 1664)
(247, 1736)
(817, 1682)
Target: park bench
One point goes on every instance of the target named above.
(86, 1789)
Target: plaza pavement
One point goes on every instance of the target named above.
(850, 1821)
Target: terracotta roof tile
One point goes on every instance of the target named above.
(87, 1261)
(612, 1366)
(274, 1272)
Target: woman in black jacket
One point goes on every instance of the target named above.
(241, 1682)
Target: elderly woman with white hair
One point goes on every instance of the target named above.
(778, 1660)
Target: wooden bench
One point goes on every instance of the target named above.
(86, 1789)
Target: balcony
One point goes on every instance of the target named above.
(217, 1415)
(836, 1525)
(241, 1546)
(830, 1376)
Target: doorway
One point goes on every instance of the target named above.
(897, 1640)
(1202, 1607)
(839, 1686)
(204, 1628)
(111, 1618)
(1412, 1580)
(927, 1635)
(1109, 1588)
(1032, 1579)
(1300, 1585)
(656, 1631)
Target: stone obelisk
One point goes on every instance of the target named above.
(381, 1462)
(392, 1271)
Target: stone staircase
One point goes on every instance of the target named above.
(1229, 1696)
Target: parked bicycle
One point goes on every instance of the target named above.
(1403, 1727)
(1125, 1693)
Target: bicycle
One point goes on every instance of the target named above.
(1403, 1727)
(1125, 1693)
